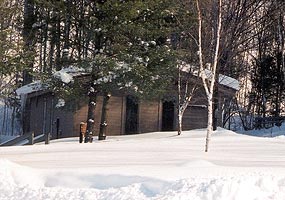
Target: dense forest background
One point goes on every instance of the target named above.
(39, 37)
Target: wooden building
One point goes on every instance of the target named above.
(126, 114)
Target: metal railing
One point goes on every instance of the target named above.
(27, 139)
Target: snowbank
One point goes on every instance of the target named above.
(155, 166)
(18, 183)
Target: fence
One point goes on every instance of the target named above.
(27, 139)
(267, 122)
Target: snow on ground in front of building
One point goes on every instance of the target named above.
(147, 166)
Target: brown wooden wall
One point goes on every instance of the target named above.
(195, 117)
(65, 123)
(36, 115)
(149, 116)
(114, 116)
(79, 116)
(36, 122)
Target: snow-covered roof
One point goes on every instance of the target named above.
(65, 75)
(30, 88)
(229, 81)
(223, 79)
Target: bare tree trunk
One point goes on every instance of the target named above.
(215, 102)
(104, 118)
(45, 37)
(180, 120)
(91, 110)
(80, 30)
(66, 45)
(209, 85)
(210, 122)
(281, 68)
(179, 103)
(53, 41)
(183, 106)
(28, 36)
(58, 43)
(187, 96)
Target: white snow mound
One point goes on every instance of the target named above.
(19, 182)
(153, 166)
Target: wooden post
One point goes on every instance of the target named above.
(103, 124)
(47, 138)
(57, 128)
(31, 138)
(82, 132)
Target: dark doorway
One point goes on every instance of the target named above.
(132, 106)
(167, 116)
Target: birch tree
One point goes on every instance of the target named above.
(186, 90)
(209, 77)
(184, 44)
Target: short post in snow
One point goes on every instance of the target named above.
(31, 138)
(47, 138)
(82, 132)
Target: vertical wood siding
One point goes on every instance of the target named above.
(149, 116)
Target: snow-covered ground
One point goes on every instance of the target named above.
(147, 166)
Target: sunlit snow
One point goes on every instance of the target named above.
(147, 166)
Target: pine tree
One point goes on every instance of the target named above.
(12, 59)
(129, 49)
(28, 36)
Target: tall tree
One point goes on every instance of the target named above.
(132, 33)
(209, 78)
(267, 93)
(12, 60)
(29, 36)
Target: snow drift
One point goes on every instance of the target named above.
(18, 182)
(155, 166)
